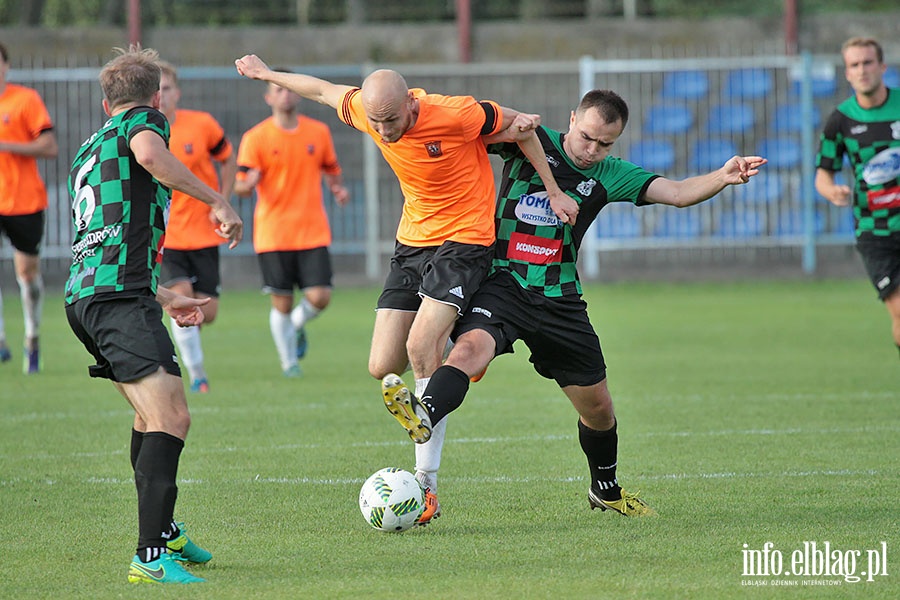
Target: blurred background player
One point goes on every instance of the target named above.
(866, 129)
(284, 159)
(26, 133)
(534, 293)
(191, 259)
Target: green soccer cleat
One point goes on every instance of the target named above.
(406, 408)
(302, 343)
(184, 550)
(162, 570)
(628, 505)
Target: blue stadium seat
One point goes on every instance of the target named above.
(619, 220)
(764, 188)
(892, 77)
(783, 152)
(730, 118)
(791, 223)
(654, 155)
(822, 87)
(740, 223)
(710, 153)
(677, 223)
(747, 84)
(666, 119)
(842, 221)
(788, 118)
(685, 85)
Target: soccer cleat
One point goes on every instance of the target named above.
(302, 343)
(184, 550)
(432, 506)
(200, 386)
(162, 570)
(628, 505)
(476, 378)
(31, 362)
(5, 354)
(406, 408)
(293, 372)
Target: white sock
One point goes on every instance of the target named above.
(189, 348)
(428, 455)
(2, 322)
(421, 384)
(303, 313)
(32, 304)
(285, 337)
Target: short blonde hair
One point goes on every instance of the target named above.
(131, 77)
(168, 69)
(864, 42)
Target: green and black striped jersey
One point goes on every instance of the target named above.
(119, 210)
(532, 244)
(870, 138)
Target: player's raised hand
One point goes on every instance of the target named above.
(251, 66)
(739, 169)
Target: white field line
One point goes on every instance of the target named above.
(480, 480)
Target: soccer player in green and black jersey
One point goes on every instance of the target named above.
(866, 128)
(533, 292)
(119, 185)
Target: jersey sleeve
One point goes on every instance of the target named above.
(479, 118)
(831, 145)
(330, 164)
(219, 146)
(626, 182)
(148, 119)
(350, 110)
(38, 118)
(248, 157)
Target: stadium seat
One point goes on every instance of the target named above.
(668, 119)
(788, 118)
(765, 188)
(685, 85)
(822, 87)
(791, 223)
(747, 84)
(892, 77)
(677, 223)
(619, 220)
(654, 155)
(710, 153)
(730, 118)
(740, 222)
(783, 152)
(842, 222)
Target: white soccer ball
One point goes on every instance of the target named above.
(391, 500)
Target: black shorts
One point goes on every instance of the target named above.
(125, 335)
(449, 273)
(25, 232)
(283, 270)
(563, 344)
(200, 267)
(881, 256)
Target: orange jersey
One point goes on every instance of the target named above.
(197, 140)
(23, 117)
(443, 168)
(290, 213)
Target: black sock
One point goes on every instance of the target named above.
(601, 449)
(137, 438)
(898, 347)
(155, 474)
(445, 392)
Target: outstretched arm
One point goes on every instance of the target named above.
(694, 190)
(312, 88)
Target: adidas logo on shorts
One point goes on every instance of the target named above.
(457, 291)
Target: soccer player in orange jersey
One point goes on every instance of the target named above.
(446, 233)
(191, 259)
(284, 159)
(26, 133)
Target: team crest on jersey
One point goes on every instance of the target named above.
(310, 149)
(434, 149)
(6, 119)
(188, 148)
(585, 188)
(895, 130)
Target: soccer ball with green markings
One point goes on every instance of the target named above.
(391, 500)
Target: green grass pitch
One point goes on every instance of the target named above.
(748, 413)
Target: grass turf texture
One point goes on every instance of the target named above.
(752, 413)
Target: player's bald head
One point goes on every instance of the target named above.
(383, 92)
